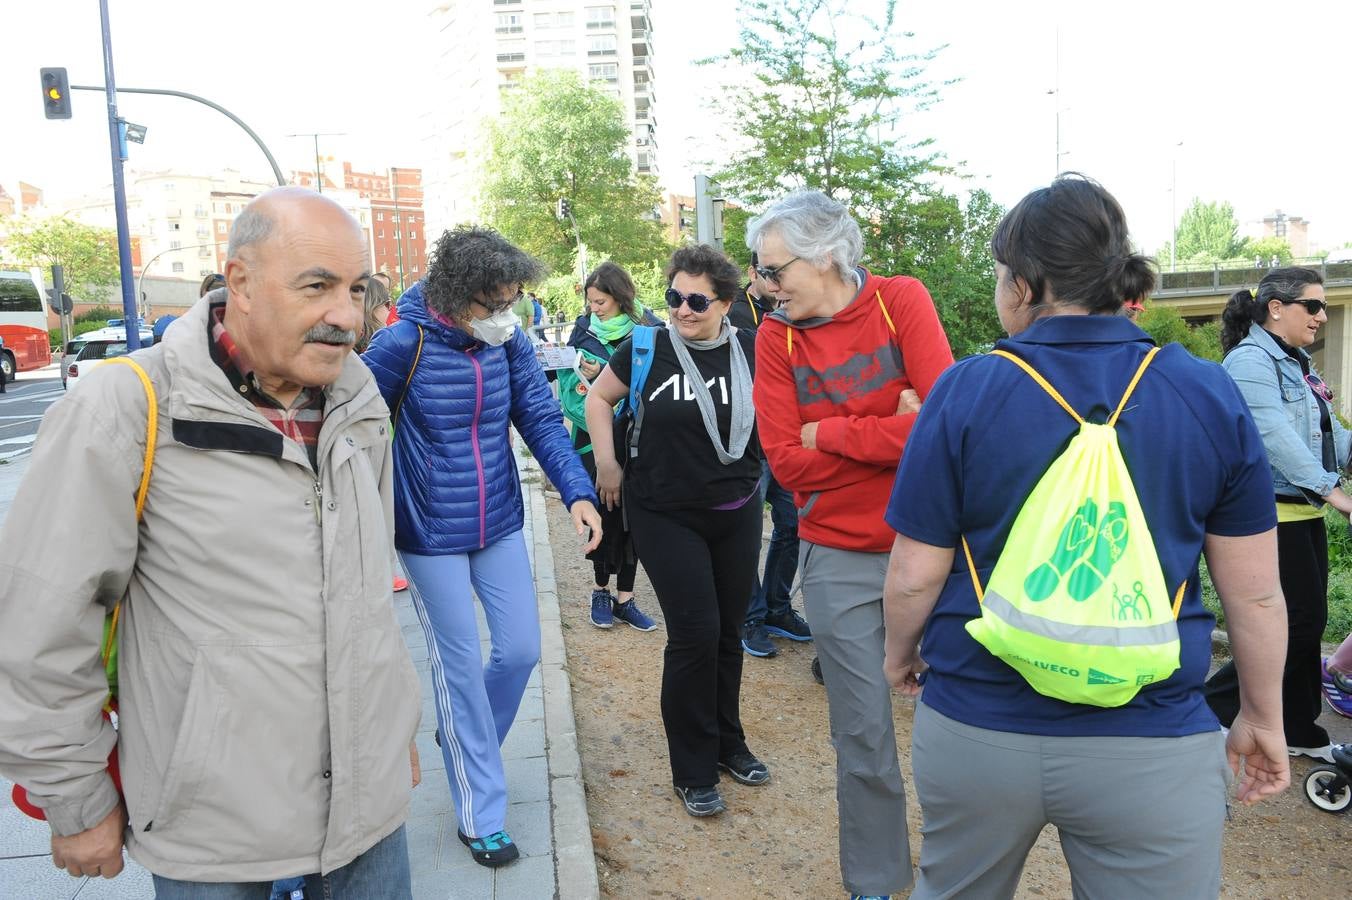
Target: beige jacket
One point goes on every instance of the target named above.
(267, 698)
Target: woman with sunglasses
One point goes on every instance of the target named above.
(692, 498)
(1265, 336)
(612, 314)
(458, 373)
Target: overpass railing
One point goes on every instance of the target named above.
(1225, 278)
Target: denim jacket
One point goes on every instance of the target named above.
(1287, 415)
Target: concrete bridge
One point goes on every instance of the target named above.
(1200, 296)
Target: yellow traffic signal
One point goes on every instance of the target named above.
(56, 93)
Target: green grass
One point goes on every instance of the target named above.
(1340, 581)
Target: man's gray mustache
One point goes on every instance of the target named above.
(329, 334)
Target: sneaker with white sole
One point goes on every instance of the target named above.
(603, 608)
(745, 768)
(1337, 689)
(629, 613)
(1323, 754)
(701, 801)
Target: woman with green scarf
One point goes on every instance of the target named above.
(611, 316)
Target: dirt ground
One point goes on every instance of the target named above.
(779, 839)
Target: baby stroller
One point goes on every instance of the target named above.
(1330, 787)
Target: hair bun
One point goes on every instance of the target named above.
(1129, 276)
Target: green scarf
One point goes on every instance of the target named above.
(616, 328)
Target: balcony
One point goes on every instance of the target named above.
(601, 25)
(595, 53)
(509, 29)
(512, 57)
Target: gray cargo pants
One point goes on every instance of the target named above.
(843, 599)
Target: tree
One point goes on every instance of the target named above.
(88, 254)
(1167, 326)
(559, 138)
(822, 107)
(1207, 233)
(1266, 248)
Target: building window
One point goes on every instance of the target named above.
(380, 217)
(200, 212)
(600, 17)
(415, 268)
(601, 45)
(204, 272)
(380, 232)
(175, 245)
(168, 187)
(178, 267)
(413, 235)
(604, 72)
(512, 51)
(174, 226)
(509, 23)
(555, 48)
(222, 228)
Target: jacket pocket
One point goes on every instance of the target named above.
(807, 507)
(192, 745)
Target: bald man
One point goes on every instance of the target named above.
(267, 702)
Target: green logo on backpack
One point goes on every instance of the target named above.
(1078, 580)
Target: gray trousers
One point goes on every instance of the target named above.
(1137, 817)
(842, 596)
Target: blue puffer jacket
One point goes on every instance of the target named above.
(456, 487)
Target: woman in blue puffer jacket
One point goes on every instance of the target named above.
(457, 372)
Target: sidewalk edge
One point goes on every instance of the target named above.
(574, 856)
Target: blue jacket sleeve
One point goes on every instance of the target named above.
(1288, 453)
(389, 357)
(537, 416)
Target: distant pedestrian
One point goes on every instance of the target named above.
(210, 283)
(538, 311)
(770, 611)
(691, 496)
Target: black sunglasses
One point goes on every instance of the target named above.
(1313, 305)
(770, 274)
(698, 303)
(505, 304)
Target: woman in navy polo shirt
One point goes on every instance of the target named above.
(1138, 792)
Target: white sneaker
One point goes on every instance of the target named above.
(1323, 754)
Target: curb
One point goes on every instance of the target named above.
(574, 857)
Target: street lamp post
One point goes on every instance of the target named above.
(118, 148)
(1173, 200)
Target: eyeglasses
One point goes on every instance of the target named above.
(1313, 305)
(1319, 387)
(505, 304)
(698, 303)
(771, 274)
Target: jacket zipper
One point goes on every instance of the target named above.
(319, 502)
(474, 440)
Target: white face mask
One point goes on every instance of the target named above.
(497, 329)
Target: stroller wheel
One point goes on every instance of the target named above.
(1328, 789)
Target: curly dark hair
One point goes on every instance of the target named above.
(470, 262)
(702, 259)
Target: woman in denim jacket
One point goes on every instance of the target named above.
(1264, 337)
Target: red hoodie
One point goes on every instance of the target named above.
(846, 373)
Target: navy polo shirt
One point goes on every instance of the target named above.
(987, 433)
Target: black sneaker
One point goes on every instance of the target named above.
(495, 850)
(817, 670)
(744, 767)
(701, 801)
(756, 642)
(790, 625)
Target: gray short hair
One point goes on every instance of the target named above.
(813, 227)
(253, 226)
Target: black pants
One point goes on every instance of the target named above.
(702, 564)
(1303, 564)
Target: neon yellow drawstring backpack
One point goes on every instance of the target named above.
(1077, 602)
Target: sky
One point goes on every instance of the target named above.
(1245, 102)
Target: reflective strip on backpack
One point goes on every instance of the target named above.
(1085, 635)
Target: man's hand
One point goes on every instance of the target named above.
(413, 762)
(1267, 766)
(97, 851)
(809, 436)
(585, 516)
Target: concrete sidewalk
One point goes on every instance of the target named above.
(547, 815)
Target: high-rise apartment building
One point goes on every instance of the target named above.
(480, 48)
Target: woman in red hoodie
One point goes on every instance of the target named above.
(841, 367)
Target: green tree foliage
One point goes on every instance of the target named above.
(826, 96)
(558, 137)
(1266, 248)
(88, 254)
(1166, 326)
(1207, 233)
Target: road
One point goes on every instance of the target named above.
(22, 408)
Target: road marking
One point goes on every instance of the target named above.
(30, 418)
(23, 443)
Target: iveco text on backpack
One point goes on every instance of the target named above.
(1077, 602)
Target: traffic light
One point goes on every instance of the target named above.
(564, 208)
(55, 93)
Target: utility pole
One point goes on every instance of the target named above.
(118, 147)
(319, 174)
(1173, 200)
(708, 213)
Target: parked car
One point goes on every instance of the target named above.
(77, 344)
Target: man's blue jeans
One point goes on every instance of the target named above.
(380, 873)
(770, 599)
